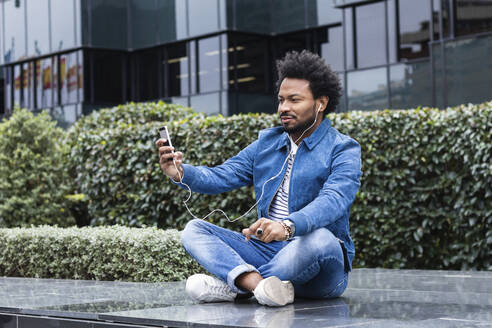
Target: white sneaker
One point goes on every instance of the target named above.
(203, 288)
(274, 292)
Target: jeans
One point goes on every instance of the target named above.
(314, 263)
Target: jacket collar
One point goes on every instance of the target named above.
(310, 141)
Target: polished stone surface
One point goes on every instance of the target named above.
(375, 298)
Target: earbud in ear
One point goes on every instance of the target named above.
(319, 108)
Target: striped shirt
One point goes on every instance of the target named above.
(279, 208)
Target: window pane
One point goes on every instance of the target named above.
(15, 29)
(446, 14)
(80, 76)
(109, 22)
(251, 15)
(349, 37)
(468, 70)
(66, 115)
(68, 78)
(209, 64)
(367, 89)
(45, 84)
(436, 4)
(177, 70)
(107, 76)
(331, 47)
(62, 24)
(322, 12)
(248, 58)
(203, 16)
(473, 16)
(288, 15)
(28, 90)
(143, 23)
(414, 18)
(8, 88)
(17, 85)
(147, 63)
(37, 28)
(392, 31)
(168, 19)
(208, 103)
(370, 35)
(410, 85)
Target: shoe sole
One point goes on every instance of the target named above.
(282, 293)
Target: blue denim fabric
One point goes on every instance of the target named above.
(324, 180)
(314, 263)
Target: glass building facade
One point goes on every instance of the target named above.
(218, 56)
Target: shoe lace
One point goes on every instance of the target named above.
(217, 289)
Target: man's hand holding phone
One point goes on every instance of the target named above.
(169, 160)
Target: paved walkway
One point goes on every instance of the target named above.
(375, 298)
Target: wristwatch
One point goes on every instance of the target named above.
(292, 227)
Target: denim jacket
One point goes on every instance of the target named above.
(323, 184)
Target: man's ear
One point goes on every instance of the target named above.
(323, 101)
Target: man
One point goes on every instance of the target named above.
(307, 175)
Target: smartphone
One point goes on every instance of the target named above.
(164, 132)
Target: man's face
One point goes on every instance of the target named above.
(296, 108)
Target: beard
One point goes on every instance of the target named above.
(302, 126)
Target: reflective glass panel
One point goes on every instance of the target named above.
(143, 25)
(414, 17)
(45, 95)
(288, 15)
(69, 78)
(80, 76)
(38, 84)
(17, 85)
(349, 37)
(250, 15)
(15, 29)
(37, 27)
(167, 20)
(370, 34)
(54, 85)
(367, 90)
(331, 46)
(468, 70)
(203, 16)
(27, 84)
(8, 87)
(206, 103)
(411, 85)
(446, 14)
(109, 21)
(178, 70)
(436, 8)
(322, 12)
(473, 16)
(392, 31)
(107, 76)
(66, 115)
(63, 31)
(248, 59)
(227, 65)
(209, 64)
(147, 66)
(289, 42)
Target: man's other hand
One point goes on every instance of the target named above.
(270, 230)
(166, 156)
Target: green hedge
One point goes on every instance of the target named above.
(101, 190)
(95, 253)
(425, 200)
(33, 176)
